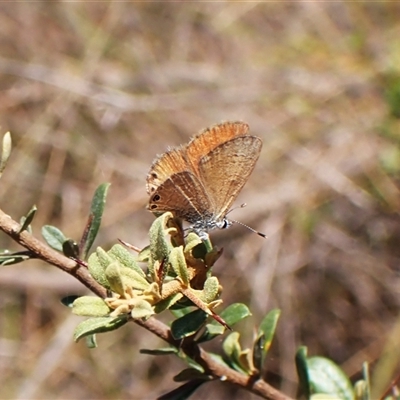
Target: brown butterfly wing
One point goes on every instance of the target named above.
(225, 170)
(163, 167)
(209, 139)
(186, 158)
(184, 195)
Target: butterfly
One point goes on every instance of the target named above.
(199, 181)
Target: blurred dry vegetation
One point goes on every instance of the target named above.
(91, 92)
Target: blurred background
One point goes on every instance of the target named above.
(91, 92)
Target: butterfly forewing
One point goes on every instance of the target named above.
(225, 171)
(206, 141)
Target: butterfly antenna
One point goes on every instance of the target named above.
(235, 208)
(241, 223)
(250, 229)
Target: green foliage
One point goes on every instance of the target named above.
(53, 237)
(7, 258)
(320, 376)
(94, 220)
(27, 220)
(172, 265)
(188, 325)
(264, 338)
(58, 241)
(233, 314)
(177, 275)
(99, 325)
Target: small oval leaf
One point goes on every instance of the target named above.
(99, 325)
(53, 237)
(90, 306)
(235, 313)
(188, 325)
(326, 377)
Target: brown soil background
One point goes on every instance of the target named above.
(91, 92)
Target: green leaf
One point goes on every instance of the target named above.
(258, 353)
(7, 258)
(99, 325)
(235, 313)
(53, 237)
(144, 255)
(91, 342)
(90, 306)
(159, 352)
(302, 371)
(326, 377)
(321, 376)
(97, 269)
(121, 277)
(264, 338)
(27, 220)
(182, 392)
(190, 374)
(94, 221)
(159, 246)
(121, 254)
(141, 309)
(237, 358)
(104, 259)
(268, 327)
(178, 263)
(182, 307)
(115, 279)
(188, 325)
(5, 151)
(231, 315)
(167, 303)
(210, 290)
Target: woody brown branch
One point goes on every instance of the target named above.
(47, 254)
